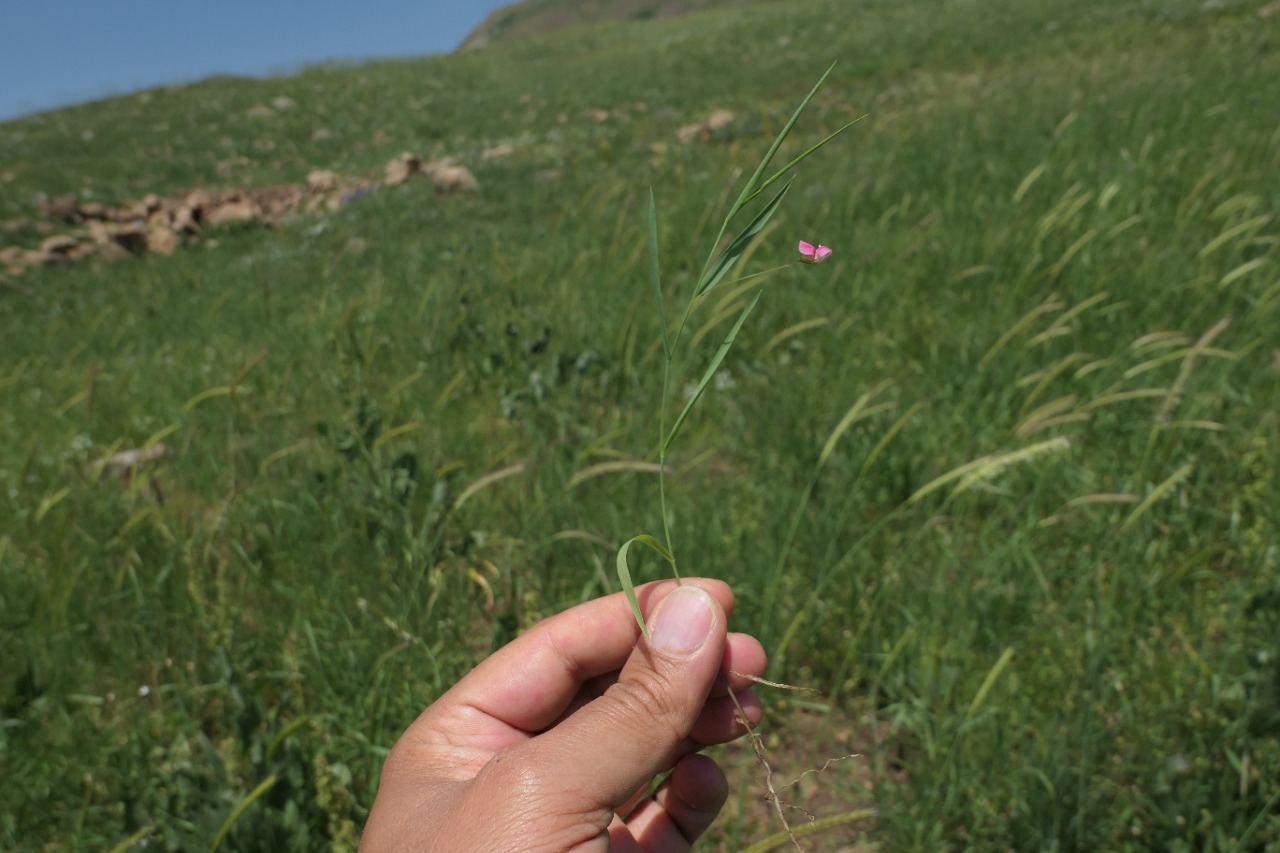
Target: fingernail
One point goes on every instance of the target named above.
(683, 621)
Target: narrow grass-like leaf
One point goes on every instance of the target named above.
(798, 160)
(752, 185)
(624, 574)
(209, 394)
(49, 502)
(132, 841)
(711, 371)
(257, 792)
(889, 436)
(486, 480)
(395, 433)
(729, 256)
(284, 733)
(988, 466)
(618, 466)
(988, 683)
(657, 274)
(784, 838)
(791, 331)
(1157, 493)
(856, 412)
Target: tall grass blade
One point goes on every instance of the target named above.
(988, 683)
(798, 160)
(856, 412)
(657, 274)
(752, 187)
(487, 480)
(711, 371)
(804, 830)
(240, 809)
(729, 256)
(1170, 483)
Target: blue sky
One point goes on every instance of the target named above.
(59, 52)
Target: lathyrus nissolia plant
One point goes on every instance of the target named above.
(717, 266)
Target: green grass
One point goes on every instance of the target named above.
(1050, 204)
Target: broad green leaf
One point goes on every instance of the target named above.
(731, 254)
(711, 371)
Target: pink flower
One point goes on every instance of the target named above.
(811, 254)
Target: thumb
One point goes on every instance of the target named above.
(638, 728)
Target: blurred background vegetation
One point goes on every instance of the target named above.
(998, 480)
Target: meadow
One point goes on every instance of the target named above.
(998, 480)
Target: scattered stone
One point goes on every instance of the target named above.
(162, 240)
(282, 102)
(126, 238)
(401, 168)
(64, 207)
(498, 152)
(80, 251)
(322, 181)
(58, 245)
(703, 130)
(232, 210)
(157, 224)
(448, 177)
(17, 260)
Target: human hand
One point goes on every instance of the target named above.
(548, 743)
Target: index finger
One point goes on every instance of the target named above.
(528, 683)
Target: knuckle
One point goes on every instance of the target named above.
(652, 698)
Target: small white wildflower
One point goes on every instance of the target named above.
(144, 690)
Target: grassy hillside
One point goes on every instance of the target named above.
(998, 480)
(532, 18)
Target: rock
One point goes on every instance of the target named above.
(401, 168)
(498, 152)
(449, 177)
(718, 119)
(64, 207)
(162, 240)
(112, 236)
(80, 251)
(322, 181)
(17, 260)
(282, 102)
(189, 212)
(60, 244)
(233, 210)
